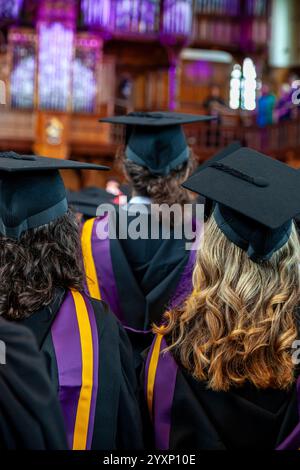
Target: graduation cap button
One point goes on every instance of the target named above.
(16, 156)
(146, 115)
(257, 181)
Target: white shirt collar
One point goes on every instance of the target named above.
(140, 200)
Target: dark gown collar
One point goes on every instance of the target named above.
(40, 322)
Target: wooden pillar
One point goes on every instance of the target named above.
(284, 43)
(173, 74)
(52, 134)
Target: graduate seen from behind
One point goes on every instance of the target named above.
(138, 274)
(222, 373)
(88, 355)
(30, 415)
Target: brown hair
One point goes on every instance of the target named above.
(40, 261)
(239, 323)
(160, 189)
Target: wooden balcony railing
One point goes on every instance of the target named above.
(281, 141)
(87, 137)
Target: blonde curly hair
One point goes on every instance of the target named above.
(239, 323)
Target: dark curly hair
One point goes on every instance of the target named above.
(160, 189)
(32, 267)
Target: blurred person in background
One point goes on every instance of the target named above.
(113, 187)
(284, 105)
(215, 106)
(266, 106)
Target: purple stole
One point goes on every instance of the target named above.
(185, 285)
(76, 345)
(100, 279)
(160, 380)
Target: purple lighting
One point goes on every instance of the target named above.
(137, 16)
(99, 13)
(177, 17)
(10, 8)
(199, 71)
(53, 11)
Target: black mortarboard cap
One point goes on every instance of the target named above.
(156, 140)
(87, 200)
(208, 203)
(256, 199)
(32, 192)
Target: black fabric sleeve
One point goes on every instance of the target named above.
(130, 435)
(117, 422)
(30, 416)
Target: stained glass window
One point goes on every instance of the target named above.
(98, 13)
(177, 17)
(137, 16)
(85, 68)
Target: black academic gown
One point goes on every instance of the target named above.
(244, 418)
(149, 276)
(117, 423)
(30, 415)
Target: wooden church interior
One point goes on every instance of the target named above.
(65, 64)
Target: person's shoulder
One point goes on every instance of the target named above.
(101, 308)
(20, 350)
(112, 333)
(15, 334)
(107, 322)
